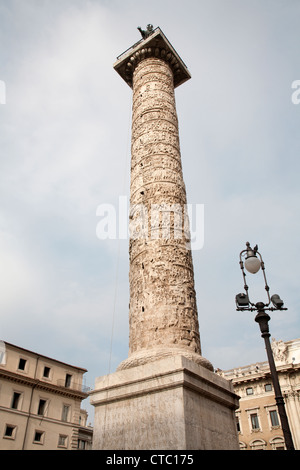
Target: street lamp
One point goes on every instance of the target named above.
(253, 263)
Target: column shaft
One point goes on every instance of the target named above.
(163, 312)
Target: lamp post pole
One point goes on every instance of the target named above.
(262, 318)
(253, 264)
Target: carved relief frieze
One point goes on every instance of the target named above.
(154, 114)
(163, 307)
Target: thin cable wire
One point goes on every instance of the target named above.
(118, 251)
(116, 287)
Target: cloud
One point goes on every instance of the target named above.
(57, 166)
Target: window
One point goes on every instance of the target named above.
(46, 373)
(22, 364)
(254, 421)
(81, 444)
(42, 407)
(2, 353)
(249, 391)
(68, 380)
(65, 413)
(274, 418)
(62, 440)
(15, 400)
(38, 437)
(258, 444)
(10, 431)
(277, 443)
(268, 387)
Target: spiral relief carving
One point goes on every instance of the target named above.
(163, 317)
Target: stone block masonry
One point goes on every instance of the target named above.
(171, 403)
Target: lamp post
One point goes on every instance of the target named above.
(253, 264)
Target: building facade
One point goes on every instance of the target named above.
(257, 418)
(40, 402)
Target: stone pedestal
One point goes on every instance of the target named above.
(169, 404)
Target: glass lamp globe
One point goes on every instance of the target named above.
(252, 264)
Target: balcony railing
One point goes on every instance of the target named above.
(79, 387)
(253, 369)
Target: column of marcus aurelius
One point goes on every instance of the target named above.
(163, 312)
(165, 395)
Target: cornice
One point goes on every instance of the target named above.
(156, 46)
(257, 376)
(39, 384)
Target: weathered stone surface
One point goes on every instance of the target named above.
(171, 403)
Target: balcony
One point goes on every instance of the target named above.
(78, 387)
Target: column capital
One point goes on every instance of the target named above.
(156, 45)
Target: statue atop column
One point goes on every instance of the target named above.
(146, 33)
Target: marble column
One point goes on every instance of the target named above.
(165, 395)
(163, 316)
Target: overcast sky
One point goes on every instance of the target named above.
(65, 150)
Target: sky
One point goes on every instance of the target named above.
(65, 131)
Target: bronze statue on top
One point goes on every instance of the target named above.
(146, 33)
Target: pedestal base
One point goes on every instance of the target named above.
(172, 403)
(144, 356)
